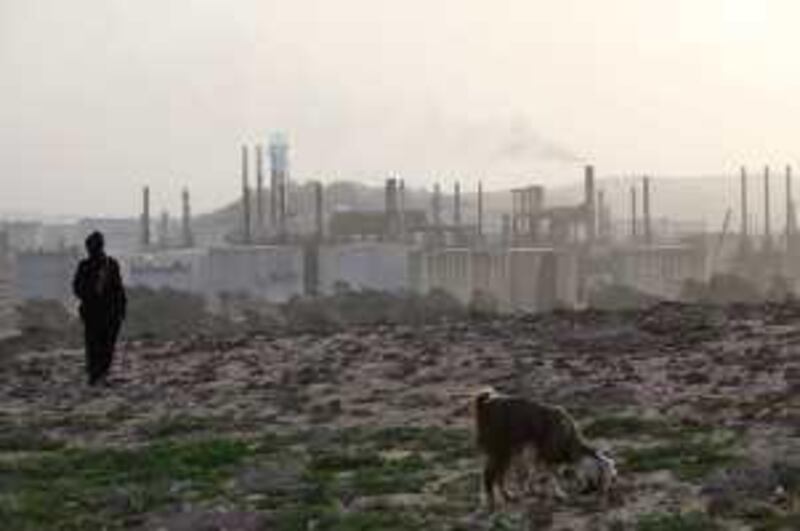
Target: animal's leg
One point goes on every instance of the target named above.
(557, 490)
(554, 490)
(529, 477)
(490, 471)
(503, 464)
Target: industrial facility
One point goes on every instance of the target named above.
(287, 239)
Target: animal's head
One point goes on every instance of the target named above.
(485, 394)
(596, 472)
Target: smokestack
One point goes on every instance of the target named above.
(273, 195)
(745, 214)
(602, 225)
(634, 231)
(648, 230)
(402, 186)
(279, 167)
(789, 224)
(480, 208)
(245, 199)
(457, 204)
(767, 215)
(391, 208)
(437, 206)
(259, 189)
(163, 230)
(145, 217)
(318, 213)
(589, 199)
(188, 236)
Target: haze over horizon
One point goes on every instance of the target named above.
(98, 98)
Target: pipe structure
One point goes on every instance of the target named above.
(246, 234)
(259, 188)
(318, 211)
(391, 209)
(437, 206)
(647, 220)
(480, 208)
(457, 204)
(188, 235)
(634, 231)
(744, 220)
(767, 215)
(163, 230)
(589, 202)
(402, 193)
(789, 220)
(145, 235)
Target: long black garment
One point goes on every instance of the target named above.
(98, 285)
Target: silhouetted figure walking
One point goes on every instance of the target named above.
(98, 285)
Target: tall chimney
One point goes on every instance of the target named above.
(391, 209)
(163, 230)
(745, 214)
(480, 208)
(789, 224)
(767, 215)
(188, 236)
(602, 225)
(273, 195)
(457, 204)
(648, 229)
(145, 218)
(246, 236)
(589, 199)
(634, 231)
(402, 193)
(437, 206)
(318, 211)
(279, 167)
(259, 189)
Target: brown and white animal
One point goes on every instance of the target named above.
(508, 426)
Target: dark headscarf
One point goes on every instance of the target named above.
(95, 244)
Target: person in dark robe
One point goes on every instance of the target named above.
(98, 286)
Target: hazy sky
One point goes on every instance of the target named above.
(100, 97)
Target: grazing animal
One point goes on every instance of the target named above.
(508, 426)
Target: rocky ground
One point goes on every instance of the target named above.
(371, 428)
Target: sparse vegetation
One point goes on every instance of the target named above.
(691, 521)
(688, 459)
(79, 488)
(368, 427)
(627, 426)
(82, 489)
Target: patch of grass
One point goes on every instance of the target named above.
(621, 426)
(447, 444)
(176, 425)
(21, 438)
(348, 474)
(692, 521)
(780, 523)
(333, 461)
(687, 459)
(326, 517)
(618, 426)
(115, 488)
(378, 520)
(88, 489)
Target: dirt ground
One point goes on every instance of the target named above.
(371, 428)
